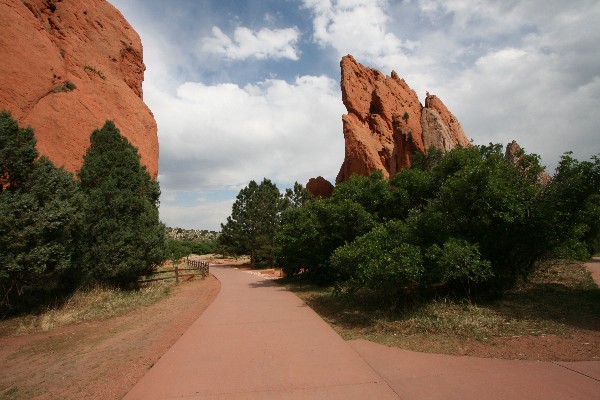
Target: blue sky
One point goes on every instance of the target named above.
(243, 90)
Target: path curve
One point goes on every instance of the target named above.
(259, 341)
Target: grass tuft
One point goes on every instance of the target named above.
(94, 70)
(65, 87)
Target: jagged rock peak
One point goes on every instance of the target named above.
(386, 123)
(513, 154)
(73, 65)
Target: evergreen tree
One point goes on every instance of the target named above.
(17, 152)
(297, 196)
(40, 215)
(255, 217)
(123, 237)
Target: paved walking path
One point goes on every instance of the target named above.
(594, 267)
(417, 376)
(259, 341)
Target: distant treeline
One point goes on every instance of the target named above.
(191, 234)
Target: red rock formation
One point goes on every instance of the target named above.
(513, 155)
(386, 123)
(511, 152)
(319, 188)
(441, 129)
(67, 67)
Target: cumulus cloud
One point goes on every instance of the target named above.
(369, 31)
(534, 77)
(524, 70)
(360, 28)
(204, 214)
(261, 44)
(524, 95)
(215, 137)
(227, 134)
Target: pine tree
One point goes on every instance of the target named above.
(123, 237)
(254, 219)
(40, 215)
(17, 152)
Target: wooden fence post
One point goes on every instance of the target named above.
(176, 273)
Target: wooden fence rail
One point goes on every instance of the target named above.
(201, 266)
(197, 267)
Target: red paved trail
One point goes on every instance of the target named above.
(594, 267)
(259, 341)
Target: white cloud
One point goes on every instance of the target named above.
(234, 134)
(368, 30)
(216, 136)
(360, 28)
(246, 43)
(205, 214)
(540, 88)
(524, 95)
(524, 70)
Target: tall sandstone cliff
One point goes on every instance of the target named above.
(386, 123)
(50, 46)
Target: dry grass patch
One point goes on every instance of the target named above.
(559, 300)
(86, 305)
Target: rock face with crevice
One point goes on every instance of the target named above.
(386, 123)
(67, 67)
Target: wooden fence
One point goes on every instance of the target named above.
(196, 267)
(200, 266)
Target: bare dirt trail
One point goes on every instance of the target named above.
(104, 359)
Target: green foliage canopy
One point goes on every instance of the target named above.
(123, 237)
(177, 249)
(255, 218)
(40, 218)
(309, 234)
(468, 219)
(382, 260)
(571, 210)
(17, 152)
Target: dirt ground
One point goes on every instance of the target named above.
(582, 345)
(100, 360)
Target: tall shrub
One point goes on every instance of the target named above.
(308, 236)
(122, 237)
